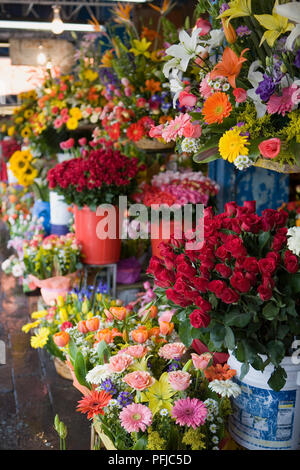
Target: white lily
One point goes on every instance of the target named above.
(216, 39)
(187, 49)
(292, 12)
(172, 64)
(255, 77)
(176, 86)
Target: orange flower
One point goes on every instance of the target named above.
(164, 119)
(153, 86)
(92, 324)
(219, 372)
(140, 335)
(150, 34)
(81, 325)
(155, 331)
(118, 312)
(153, 311)
(94, 403)
(165, 7)
(229, 31)
(216, 108)
(61, 338)
(166, 328)
(122, 13)
(230, 66)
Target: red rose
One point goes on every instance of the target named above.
(267, 266)
(265, 293)
(291, 262)
(186, 269)
(275, 256)
(229, 296)
(201, 284)
(223, 270)
(240, 282)
(252, 278)
(270, 148)
(222, 253)
(199, 319)
(230, 208)
(203, 304)
(177, 298)
(251, 223)
(250, 205)
(250, 265)
(236, 247)
(217, 287)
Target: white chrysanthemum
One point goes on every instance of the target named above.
(242, 161)
(189, 145)
(225, 388)
(293, 242)
(98, 374)
(212, 406)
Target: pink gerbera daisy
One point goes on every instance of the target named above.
(189, 412)
(135, 417)
(175, 127)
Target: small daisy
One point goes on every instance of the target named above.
(164, 412)
(225, 388)
(215, 440)
(213, 428)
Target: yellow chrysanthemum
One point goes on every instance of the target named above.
(232, 144)
(90, 75)
(39, 314)
(75, 113)
(72, 123)
(26, 328)
(11, 131)
(40, 339)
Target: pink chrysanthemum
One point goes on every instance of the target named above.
(135, 417)
(189, 412)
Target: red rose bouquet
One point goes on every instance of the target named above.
(100, 175)
(240, 290)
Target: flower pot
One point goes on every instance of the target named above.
(60, 216)
(55, 286)
(95, 250)
(153, 145)
(62, 369)
(275, 166)
(262, 418)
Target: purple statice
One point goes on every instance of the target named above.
(242, 31)
(297, 59)
(124, 399)
(223, 8)
(266, 88)
(108, 386)
(173, 366)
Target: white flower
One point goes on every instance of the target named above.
(255, 78)
(172, 64)
(5, 265)
(225, 388)
(164, 412)
(17, 270)
(242, 161)
(216, 39)
(215, 448)
(98, 374)
(292, 12)
(187, 49)
(190, 145)
(293, 242)
(176, 86)
(215, 439)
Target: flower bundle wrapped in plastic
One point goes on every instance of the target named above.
(238, 84)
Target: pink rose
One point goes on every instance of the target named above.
(137, 351)
(240, 95)
(192, 131)
(270, 148)
(139, 380)
(82, 141)
(120, 362)
(202, 361)
(58, 123)
(172, 351)
(187, 99)
(179, 380)
(204, 25)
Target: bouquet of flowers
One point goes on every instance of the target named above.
(238, 85)
(240, 289)
(140, 388)
(52, 256)
(99, 175)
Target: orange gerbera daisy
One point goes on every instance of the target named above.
(229, 67)
(219, 372)
(153, 86)
(94, 403)
(216, 108)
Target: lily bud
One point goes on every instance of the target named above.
(229, 32)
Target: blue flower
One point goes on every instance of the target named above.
(124, 398)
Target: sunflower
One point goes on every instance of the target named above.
(25, 132)
(232, 144)
(216, 108)
(28, 113)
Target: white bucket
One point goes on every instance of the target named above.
(262, 418)
(59, 213)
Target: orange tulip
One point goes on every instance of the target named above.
(153, 311)
(155, 331)
(105, 335)
(166, 328)
(61, 338)
(115, 332)
(92, 324)
(140, 335)
(82, 327)
(229, 32)
(119, 312)
(229, 67)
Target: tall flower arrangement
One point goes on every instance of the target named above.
(238, 85)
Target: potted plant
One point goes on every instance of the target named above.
(240, 291)
(99, 176)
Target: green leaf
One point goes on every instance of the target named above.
(103, 352)
(217, 334)
(80, 369)
(141, 444)
(258, 363)
(244, 370)
(270, 311)
(229, 341)
(276, 351)
(72, 350)
(277, 379)
(185, 332)
(263, 239)
(237, 319)
(207, 155)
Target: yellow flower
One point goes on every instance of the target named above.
(28, 113)
(26, 328)
(10, 131)
(232, 144)
(19, 120)
(75, 113)
(140, 47)
(40, 339)
(3, 128)
(275, 25)
(237, 9)
(85, 307)
(63, 314)
(106, 59)
(159, 395)
(72, 123)
(90, 75)
(25, 132)
(39, 314)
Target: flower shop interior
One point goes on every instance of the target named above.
(150, 226)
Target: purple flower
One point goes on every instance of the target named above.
(124, 398)
(243, 31)
(297, 59)
(265, 88)
(173, 366)
(223, 8)
(108, 386)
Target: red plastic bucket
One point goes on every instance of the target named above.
(97, 250)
